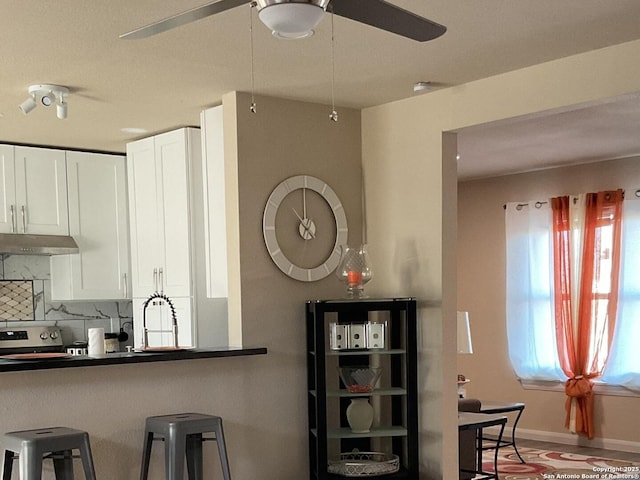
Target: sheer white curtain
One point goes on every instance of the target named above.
(623, 366)
(530, 315)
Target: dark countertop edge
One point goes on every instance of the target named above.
(123, 358)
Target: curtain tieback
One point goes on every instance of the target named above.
(578, 387)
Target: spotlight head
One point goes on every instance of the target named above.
(28, 105)
(61, 109)
(47, 99)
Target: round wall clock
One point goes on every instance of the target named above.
(304, 225)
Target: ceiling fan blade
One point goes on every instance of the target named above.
(386, 16)
(183, 18)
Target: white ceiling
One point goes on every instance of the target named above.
(163, 82)
(583, 134)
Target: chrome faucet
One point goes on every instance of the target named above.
(145, 330)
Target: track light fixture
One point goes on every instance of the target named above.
(46, 95)
(28, 105)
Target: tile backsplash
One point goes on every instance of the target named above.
(74, 318)
(16, 300)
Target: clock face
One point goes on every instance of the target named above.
(304, 225)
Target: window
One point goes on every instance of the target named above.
(530, 312)
(623, 366)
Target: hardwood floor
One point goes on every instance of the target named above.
(596, 452)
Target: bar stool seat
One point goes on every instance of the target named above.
(57, 443)
(183, 437)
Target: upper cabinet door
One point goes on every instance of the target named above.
(159, 211)
(145, 221)
(98, 221)
(174, 151)
(41, 191)
(7, 190)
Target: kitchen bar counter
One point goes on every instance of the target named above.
(7, 365)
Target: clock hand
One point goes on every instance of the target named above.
(304, 202)
(305, 222)
(299, 217)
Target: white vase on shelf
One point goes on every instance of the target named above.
(360, 415)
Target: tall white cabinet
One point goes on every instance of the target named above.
(33, 195)
(161, 215)
(98, 221)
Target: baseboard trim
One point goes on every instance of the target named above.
(573, 439)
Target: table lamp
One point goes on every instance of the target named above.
(464, 346)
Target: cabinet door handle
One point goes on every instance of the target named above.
(155, 279)
(125, 285)
(13, 219)
(24, 218)
(161, 280)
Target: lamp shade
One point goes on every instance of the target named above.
(464, 333)
(291, 20)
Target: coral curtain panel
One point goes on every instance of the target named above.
(587, 232)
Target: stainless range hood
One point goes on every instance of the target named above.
(23, 244)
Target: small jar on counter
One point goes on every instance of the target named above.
(111, 343)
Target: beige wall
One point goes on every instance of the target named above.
(410, 217)
(283, 139)
(481, 291)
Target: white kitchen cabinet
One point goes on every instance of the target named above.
(8, 190)
(162, 224)
(159, 210)
(159, 318)
(34, 183)
(98, 221)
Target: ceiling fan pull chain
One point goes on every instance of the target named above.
(334, 114)
(252, 108)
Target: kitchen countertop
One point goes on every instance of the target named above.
(7, 365)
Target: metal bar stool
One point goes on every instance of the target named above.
(57, 443)
(182, 435)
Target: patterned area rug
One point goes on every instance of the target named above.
(548, 465)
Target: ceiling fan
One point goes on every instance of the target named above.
(297, 18)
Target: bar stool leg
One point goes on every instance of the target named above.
(63, 464)
(7, 469)
(174, 455)
(146, 455)
(30, 462)
(222, 452)
(87, 459)
(194, 457)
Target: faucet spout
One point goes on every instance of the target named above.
(159, 297)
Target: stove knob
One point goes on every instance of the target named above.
(43, 336)
(53, 335)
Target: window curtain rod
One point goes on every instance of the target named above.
(540, 204)
(520, 205)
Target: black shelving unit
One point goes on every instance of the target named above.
(395, 400)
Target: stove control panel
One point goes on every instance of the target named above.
(30, 337)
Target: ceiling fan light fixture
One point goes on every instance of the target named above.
(291, 20)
